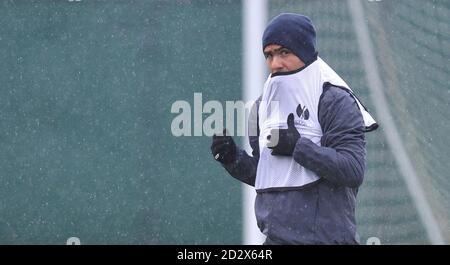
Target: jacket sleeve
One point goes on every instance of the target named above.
(243, 168)
(341, 157)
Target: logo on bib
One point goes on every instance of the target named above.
(303, 114)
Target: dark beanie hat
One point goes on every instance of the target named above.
(295, 32)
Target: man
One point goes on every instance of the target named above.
(309, 149)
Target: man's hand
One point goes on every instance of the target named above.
(223, 148)
(287, 138)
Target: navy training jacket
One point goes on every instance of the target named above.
(324, 212)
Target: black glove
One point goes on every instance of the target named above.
(223, 148)
(287, 138)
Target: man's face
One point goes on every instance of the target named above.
(280, 59)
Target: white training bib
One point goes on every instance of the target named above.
(296, 93)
